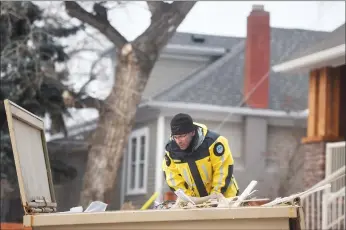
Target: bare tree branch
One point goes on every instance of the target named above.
(89, 102)
(75, 100)
(76, 11)
(74, 52)
(154, 7)
(162, 27)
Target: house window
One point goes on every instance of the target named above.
(137, 162)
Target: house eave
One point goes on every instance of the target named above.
(224, 110)
(185, 57)
(149, 110)
(194, 50)
(179, 49)
(330, 57)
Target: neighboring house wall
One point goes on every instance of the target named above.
(68, 194)
(314, 163)
(170, 71)
(138, 198)
(272, 146)
(285, 155)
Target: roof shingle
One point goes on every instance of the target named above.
(221, 83)
(335, 38)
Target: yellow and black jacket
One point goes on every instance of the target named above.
(205, 170)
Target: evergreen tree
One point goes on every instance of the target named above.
(29, 54)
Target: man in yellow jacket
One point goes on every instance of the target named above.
(197, 160)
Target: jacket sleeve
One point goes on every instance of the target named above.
(172, 176)
(222, 163)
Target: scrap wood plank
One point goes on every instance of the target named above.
(222, 202)
(215, 202)
(245, 194)
(296, 195)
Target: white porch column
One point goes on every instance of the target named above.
(160, 146)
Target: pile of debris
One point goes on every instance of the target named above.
(245, 199)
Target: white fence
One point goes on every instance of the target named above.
(335, 159)
(326, 209)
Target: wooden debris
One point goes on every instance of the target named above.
(294, 196)
(128, 206)
(245, 194)
(219, 201)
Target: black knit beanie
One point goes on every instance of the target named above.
(182, 124)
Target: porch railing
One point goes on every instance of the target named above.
(325, 209)
(335, 159)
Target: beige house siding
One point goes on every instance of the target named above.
(169, 71)
(139, 200)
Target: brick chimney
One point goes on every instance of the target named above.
(257, 58)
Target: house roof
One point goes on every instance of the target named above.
(335, 38)
(209, 40)
(188, 43)
(335, 41)
(221, 83)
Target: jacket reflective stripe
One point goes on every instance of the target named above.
(174, 179)
(205, 172)
(187, 178)
(171, 179)
(221, 173)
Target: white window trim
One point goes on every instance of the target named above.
(138, 191)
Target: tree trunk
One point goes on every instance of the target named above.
(115, 123)
(134, 64)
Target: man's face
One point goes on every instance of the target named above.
(184, 140)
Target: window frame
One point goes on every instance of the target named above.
(137, 134)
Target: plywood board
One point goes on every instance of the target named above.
(313, 103)
(30, 154)
(334, 119)
(324, 105)
(322, 102)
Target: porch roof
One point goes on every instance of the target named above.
(327, 52)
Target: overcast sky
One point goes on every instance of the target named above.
(229, 17)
